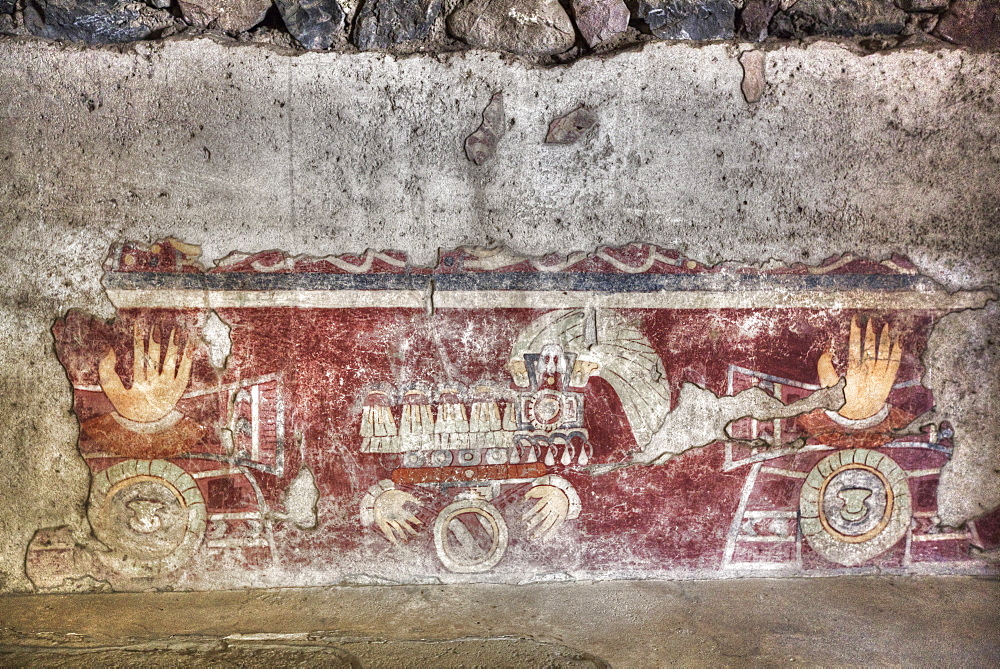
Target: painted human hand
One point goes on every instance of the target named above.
(155, 387)
(392, 517)
(871, 370)
(548, 514)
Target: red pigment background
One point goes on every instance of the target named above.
(647, 518)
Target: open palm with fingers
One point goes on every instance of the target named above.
(872, 365)
(393, 518)
(156, 386)
(548, 514)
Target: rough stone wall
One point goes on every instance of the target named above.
(550, 31)
(248, 148)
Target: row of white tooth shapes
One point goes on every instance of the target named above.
(497, 455)
(549, 454)
(480, 442)
(419, 419)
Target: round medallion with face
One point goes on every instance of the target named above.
(150, 514)
(856, 503)
(854, 506)
(544, 409)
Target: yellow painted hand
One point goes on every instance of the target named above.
(155, 387)
(392, 517)
(871, 370)
(548, 514)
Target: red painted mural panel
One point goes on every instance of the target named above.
(623, 413)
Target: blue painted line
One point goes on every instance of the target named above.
(556, 281)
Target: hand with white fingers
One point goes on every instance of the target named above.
(872, 365)
(548, 514)
(392, 517)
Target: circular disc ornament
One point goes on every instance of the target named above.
(545, 409)
(441, 458)
(470, 536)
(854, 506)
(150, 513)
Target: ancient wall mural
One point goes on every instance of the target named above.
(278, 420)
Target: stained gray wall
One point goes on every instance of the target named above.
(239, 147)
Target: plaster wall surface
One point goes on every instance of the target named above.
(245, 148)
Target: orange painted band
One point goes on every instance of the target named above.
(474, 473)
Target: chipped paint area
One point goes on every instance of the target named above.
(277, 420)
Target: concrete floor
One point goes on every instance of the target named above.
(944, 621)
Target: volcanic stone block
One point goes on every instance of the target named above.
(755, 17)
(753, 75)
(922, 5)
(844, 17)
(314, 23)
(600, 20)
(93, 21)
(974, 23)
(689, 19)
(381, 24)
(526, 27)
(228, 15)
(482, 144)
(570, 128)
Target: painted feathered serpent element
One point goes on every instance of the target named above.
(612, 347)
(609, 345)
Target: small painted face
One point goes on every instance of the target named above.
(144, 518)
(551, 360)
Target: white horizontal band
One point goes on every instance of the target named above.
(526, 299)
